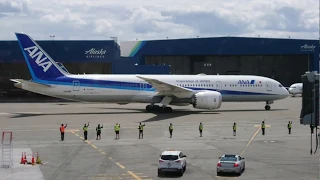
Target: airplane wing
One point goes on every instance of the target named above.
(32, 83)
(168, 89)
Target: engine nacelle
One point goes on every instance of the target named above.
(207, 100)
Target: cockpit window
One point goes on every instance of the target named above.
(280, 85)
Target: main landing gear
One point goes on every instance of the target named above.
(160, 109)
(267, 107)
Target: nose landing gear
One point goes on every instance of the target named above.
(267, 107)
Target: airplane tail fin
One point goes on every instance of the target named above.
(40, 64)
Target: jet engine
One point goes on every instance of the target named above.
(207, 100)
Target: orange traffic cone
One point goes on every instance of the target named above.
(22, 159)
(32, 160)
(25, 158)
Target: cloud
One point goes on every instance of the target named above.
(158, 19)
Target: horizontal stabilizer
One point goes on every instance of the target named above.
(30, 83)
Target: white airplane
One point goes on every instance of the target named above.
(202, 91)
(295, 89)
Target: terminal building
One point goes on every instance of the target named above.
(284, 60)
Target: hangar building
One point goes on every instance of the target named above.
(282, 59)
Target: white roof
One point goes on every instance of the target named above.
(171, 152)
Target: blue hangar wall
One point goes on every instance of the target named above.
(280, 58)
(185, 56)
(76, 56)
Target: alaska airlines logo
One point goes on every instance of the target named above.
(39, 57)
(246, 81)
(93, 53)
(307, 47)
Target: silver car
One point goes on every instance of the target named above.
(230, 163)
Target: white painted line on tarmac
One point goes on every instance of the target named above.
(27, 113)
(3, 113)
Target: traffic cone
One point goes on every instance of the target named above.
(25, 158)
(22, 159)
(38, 159)
(32, 160)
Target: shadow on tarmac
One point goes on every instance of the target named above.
(158, 117)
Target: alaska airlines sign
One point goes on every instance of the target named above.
(308, 47)
(93, 53)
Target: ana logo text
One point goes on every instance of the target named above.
(93, 53)
(308, 47)
(246, 81)
(41, 59)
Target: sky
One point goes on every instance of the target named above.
(158, 19)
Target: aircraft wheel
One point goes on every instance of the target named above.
(161, 110)
(168, 109)
(149, 108)
(267, 107)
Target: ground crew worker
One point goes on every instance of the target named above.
(62, 131)
(263, 127)
(289, 126)
(98, 129)
(234, 127)
(85, 131)
(141, 129)
(170, 130)
(200, 128)
(312, 128)
(117, 129)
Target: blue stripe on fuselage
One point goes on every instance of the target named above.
(128, 85)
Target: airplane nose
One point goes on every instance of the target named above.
(286, 92)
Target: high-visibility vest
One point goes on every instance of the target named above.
(116, 127)
(85, 128)
(170, 128)
(141, 127)
(62, 128)
(234, 127)
(289, 125)
(200, 127)
(263, 126)
(98, 128)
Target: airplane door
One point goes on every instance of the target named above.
(76, 85)
(218, 85)
(269, 86)
(143, 85)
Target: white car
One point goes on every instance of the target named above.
(231, 163)
(172, 161)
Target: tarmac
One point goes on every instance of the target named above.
(276, 155)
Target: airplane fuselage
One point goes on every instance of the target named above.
(129, 88)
